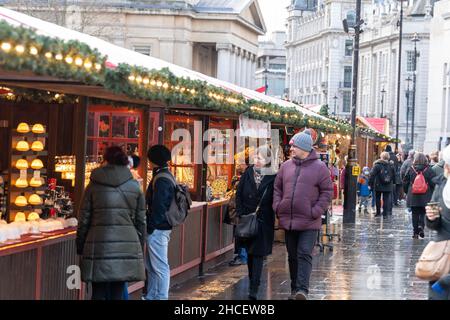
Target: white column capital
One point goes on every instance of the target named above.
(224, 46)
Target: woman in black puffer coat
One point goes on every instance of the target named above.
(111, 230)
(418, 202)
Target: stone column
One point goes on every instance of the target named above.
(238, 79)
(253, 72)
(223, 61)
(244, 69)
(233, 65)
(249, 71)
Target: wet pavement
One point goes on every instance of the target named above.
(374, 260)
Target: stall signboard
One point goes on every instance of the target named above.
(253, 128)
(356, 171)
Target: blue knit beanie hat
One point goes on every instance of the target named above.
(303, 141)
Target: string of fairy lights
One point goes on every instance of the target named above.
(23, 49)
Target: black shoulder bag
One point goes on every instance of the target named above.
(248, 225)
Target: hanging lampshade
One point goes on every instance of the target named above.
(23, 128)
(23, 146)
(21, 201)
(22, 164)
(35, 200)
(21, 183)
(33, 216)
(37, 164)
(38, 128)
(37, 146)
(20, 217)
(35, 182)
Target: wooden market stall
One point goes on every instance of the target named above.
(62, 103)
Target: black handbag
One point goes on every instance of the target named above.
(248, 224)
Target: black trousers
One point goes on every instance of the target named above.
(255, 267)
(387, 202)
(397, 193)
(107, 290)
(300, 245)
(418, 218)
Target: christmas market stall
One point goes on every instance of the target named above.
(65, 97)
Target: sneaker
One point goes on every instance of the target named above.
(237, 262)
(415, 236)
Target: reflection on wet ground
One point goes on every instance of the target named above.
(374, 260)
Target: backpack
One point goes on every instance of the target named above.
(385, 174)
(181, 202)
(419, 185)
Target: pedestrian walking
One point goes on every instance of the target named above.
(160, 194)
(239, 249)
(382, 181)
(256, 190)
(364, 190)
(111, 229)
(302, 193)
(419, 187)
(407, 164)
(438, 217)
(398, 183)
(438, 168)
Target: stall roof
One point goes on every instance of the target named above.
(380, 125)
(117, 55)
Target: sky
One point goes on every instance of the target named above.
(274, 13)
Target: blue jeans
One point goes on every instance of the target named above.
(243, 255)
(157, 264)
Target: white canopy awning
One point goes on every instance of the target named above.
(118, 55)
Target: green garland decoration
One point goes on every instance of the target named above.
(21, 49)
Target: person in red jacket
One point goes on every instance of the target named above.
(302, 193)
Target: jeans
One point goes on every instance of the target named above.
(300, 245)
(387, 203)
(243, 255)
(107, 290)
(157, 264)
(418, 218)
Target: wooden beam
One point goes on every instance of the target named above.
(79, 143)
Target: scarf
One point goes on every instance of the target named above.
(258, 177)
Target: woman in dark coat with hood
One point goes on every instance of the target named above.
(418, 202)
(258, 180)
(111, 229)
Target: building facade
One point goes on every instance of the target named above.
(378, 72)
(216, 37)
(438, 120)
(271, 65)
(319, 53)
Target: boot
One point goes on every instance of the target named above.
(253, 292)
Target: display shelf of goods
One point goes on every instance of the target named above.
(30, 153)
(219, 186)
(30, 134)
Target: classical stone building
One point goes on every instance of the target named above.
(438, 115)
(215, 37)
(378, 76)
(319, 53)
(271, 66)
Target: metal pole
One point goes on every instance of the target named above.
(265, 80)
(399, 74)
(407, 114)
(350, 179)
(382, 102)
(414, 93)
(335, 109)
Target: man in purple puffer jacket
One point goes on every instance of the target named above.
(303, 192)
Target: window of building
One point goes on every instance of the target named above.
(347, 77)
(410, 61)
(277, 66)
(348, 48)
(147, 50)
(346, 101)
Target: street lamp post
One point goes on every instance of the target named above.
(415, 39)
(383, 92)
(350, 177)
(408, 80)
(399, 73)
(335, 99)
